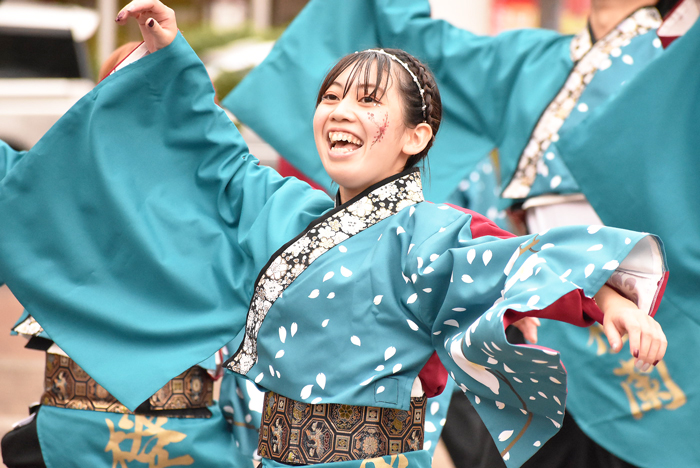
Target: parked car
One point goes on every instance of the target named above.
(44, 66)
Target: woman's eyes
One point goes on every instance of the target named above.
(369, 100)
(364, 99)
(330, 97)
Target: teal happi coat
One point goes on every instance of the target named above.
(155, 238)
(619, 130)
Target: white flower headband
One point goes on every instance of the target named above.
(405, 66)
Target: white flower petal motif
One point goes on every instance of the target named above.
(331, 295)
(556, 424)
(537, 443)
(428, 270)
(412, 324)
(434, 257)
(321, 380)
(279, 354)
(505, 435)
(611, 265)
(492, 361)
(459, 309)
(589, 269)
(378, 299)
(475, 371)
(343, 249)
(434, 407)
(592, 229)
(628, 241)
(412, 298)
(427, 290)
(452, 323)
(533, 300)
(278, 374)
(477, 400)
(316, 401)
(430, 427)
(500, 405)
(399, 230)
(324, 324)
(409, 248)
(565, 275)
(283, 334)
(517, 380)
(486, 257)
(427, 445)
(306, 392)
(414, 278)
(396, 368)
(471, 254)
(345, 272)
(389, 353)
(380, 389)
(508, 369)
(355, 340)
(411, 211)
(405, 278)
(467, 279)
(547, 246)
(328, 276)
(379, 368)
(293, 328)
(366, 382)
(314, 294)
(506, 457)
(259, 378)
(420, 262)
(595, 248)
(555, 381)
(557, 400)
(554, 183)
(272, 371)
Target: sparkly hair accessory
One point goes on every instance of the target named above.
(405, 66)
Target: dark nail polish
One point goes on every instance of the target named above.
(636, 353)
(120, 16)
(151, 22)
(656, 362)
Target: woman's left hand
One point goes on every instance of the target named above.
(156, 21)
(621, 316)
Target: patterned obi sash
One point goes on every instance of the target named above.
(297, 433)
(67, 385)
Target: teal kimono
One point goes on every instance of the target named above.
(634, 167)
(175, 239)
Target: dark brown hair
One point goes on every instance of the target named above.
(363, 63)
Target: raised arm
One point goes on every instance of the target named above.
(139, 224)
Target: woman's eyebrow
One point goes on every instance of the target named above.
(372, 88)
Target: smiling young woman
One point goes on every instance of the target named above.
(187, 242)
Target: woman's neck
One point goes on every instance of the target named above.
(606, 14)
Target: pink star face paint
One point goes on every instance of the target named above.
(381, 128)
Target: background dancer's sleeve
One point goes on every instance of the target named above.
(466, 294)
(8, 158)
(477, 76)
(134, 230)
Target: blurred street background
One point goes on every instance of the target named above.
(50, 53)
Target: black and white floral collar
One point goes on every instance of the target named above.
(373, 205)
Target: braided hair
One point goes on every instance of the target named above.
(363, 63)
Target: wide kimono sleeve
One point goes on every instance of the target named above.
(466, 287)
(478, 77)
(134, 230)
(8, 158)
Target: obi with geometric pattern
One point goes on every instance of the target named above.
(297, 433)
(67, 385)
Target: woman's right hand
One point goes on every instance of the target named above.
(156, 21)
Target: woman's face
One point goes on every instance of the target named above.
(360, 140)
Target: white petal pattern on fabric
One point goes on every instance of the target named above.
(321, 380)
(486, 257)
(328, 276)
(378, 299)
(306, 392)
(389, 353)
(412, 325)
(293, 328)
(345, 272)
(283, 334)
(355, 340)
(314, 294)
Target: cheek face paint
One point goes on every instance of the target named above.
(381, 128)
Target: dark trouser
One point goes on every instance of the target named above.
(20, 447)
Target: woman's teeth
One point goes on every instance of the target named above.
(342, 142)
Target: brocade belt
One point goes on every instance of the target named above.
(67, 385)
(296, 433)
